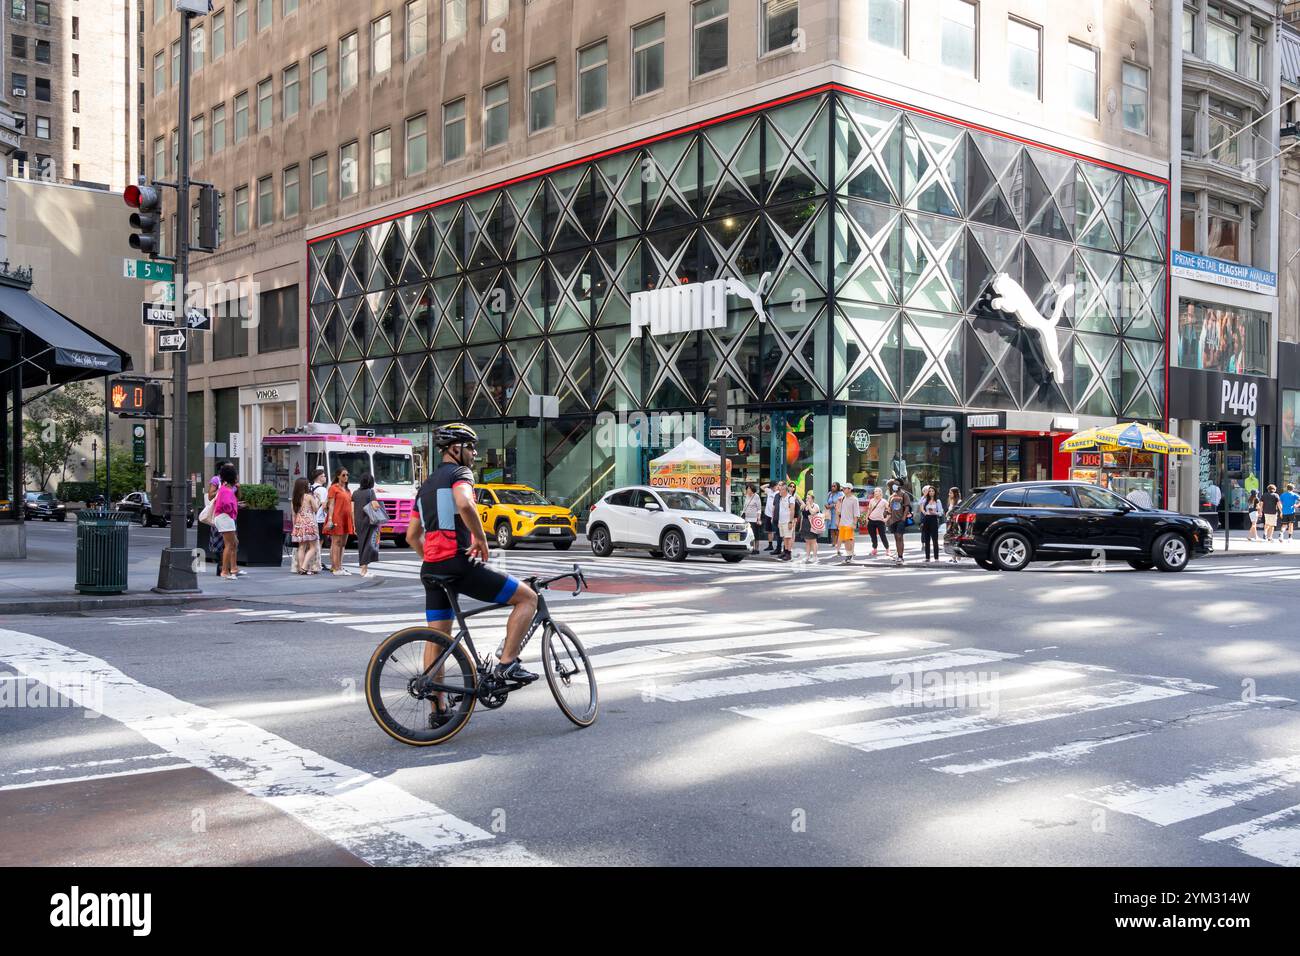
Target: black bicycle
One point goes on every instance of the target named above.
(422, 685)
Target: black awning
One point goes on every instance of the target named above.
(56, 349)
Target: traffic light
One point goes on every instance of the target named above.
(209, 215)
(134, 396)
(147, 220)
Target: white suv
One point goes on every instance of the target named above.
(666, 521)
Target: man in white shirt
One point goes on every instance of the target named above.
(848, 521)
(320, 491)
(769, 519)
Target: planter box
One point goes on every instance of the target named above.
(261, 538)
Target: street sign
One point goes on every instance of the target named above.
(198, 320)
(137, 444)
(148, 270)
(1216, 438)
(720, 433)
(158, 315)
(236, 444)
(172, 340)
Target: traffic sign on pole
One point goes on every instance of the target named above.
(720, 433)
(158, 315)
(198, 320)
(172, 340)
(148, 270)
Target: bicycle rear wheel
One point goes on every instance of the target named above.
(569, 672)
(401, 698)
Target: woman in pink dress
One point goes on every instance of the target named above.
(304, 527)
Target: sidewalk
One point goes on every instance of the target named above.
(45, 582)
(1240, 547)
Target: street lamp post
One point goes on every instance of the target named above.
(177, 573)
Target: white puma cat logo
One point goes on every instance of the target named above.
(1012, 299)
(754, 298)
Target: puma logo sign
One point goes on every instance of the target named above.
(755, 298)
(1011, 298)
(693, 306)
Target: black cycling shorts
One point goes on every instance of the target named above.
(473, 579)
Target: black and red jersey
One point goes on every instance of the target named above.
(445, 534)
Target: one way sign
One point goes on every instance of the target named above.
(198, 320)
(172, 340)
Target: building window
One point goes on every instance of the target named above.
(1189, 30)
(43, 51)
(159, 72)
(241, 21)
(76, 141)
(42, 13)
(198, 43)
(229, 328)
(76, 71)
(319, 77)
(454, 19)
(42, 127)
(453, 130)
(1188, 212)
(218, 128)
(241, 210)
(264, 95)
(1257, 40)
(349, 180)
(76, 101)
(42, 90)
(959, 41)
(263, 15)
(1083, 78)
(709, 20)
(265, 201)
(218, 35)
(887, 23)
(159, 159)
(541, 97)
(76, 21)
(648, 57)
(1226, 122)
(347, 62)
(289, 90)
(18, 47)
(1024, 67)
(288, 7)
(18, 81)
(1224, 230)
(198, 127)
(381, 45)
(417, 144)
(176, 149)
(320, 180)
(780, 26)
(1221, 31)
(381, 158)
(1136, 87)
(417, 28)
(18, 9)
(241, 116)
(495, 9)
(289, 192)
(176, 61)
(593, 75)
(277, 320)
(496, 114)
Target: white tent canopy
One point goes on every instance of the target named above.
(689, 450)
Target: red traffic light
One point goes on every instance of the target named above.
(144, 198)
(132, 196)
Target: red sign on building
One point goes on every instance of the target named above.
(1216, 438)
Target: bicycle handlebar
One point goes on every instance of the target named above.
(579, 580)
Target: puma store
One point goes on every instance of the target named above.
(879, 291)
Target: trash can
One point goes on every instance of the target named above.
(102, 538)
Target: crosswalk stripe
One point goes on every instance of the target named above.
(908, 730)
(1274, 837)
(840, 648)
(1207, 791)
(652, 652)
(737, 684)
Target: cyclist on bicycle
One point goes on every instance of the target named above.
(446, 529)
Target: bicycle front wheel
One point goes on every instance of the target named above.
(569, 672)
(403, 698)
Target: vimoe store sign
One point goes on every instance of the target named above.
(692, 307)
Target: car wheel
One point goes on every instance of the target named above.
(1170, 552)
(733, 558)
(674, 545)
(63, 517)
(598, 538)
(505, 537)
(1141, 564)
(561, 545)
(1012, 552)
(986, 564)
(189, 522)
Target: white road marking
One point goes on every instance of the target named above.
(371, 818)
(653, 652)
(54, 781)
(1274, 837)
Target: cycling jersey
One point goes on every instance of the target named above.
(446, 541)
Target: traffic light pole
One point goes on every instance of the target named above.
(177, 573)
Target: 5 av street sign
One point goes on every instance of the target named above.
(172, 340)
(158, 315)
(148, 270)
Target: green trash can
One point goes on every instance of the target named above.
(102, 538)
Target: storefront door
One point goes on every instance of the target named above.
(1005, 458)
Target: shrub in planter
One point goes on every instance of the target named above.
(260, 526)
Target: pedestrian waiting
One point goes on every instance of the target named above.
(1289, 502)
(848, 521)
(931, 513)
(811, 525)
(833, 517)
(752, 511)
(307, 555)
(877, 511)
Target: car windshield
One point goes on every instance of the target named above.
(392, 469)
(687, 501)
(1101, 499)
(520, 496)
(355, 463)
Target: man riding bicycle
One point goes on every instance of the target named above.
(446, 529)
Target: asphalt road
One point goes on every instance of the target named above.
(750, 714)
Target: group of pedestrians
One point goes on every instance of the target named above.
(1278, 513)
(777, 513)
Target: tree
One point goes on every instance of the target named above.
(54, 425)
(127, 475)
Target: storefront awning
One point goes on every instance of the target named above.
(56, 349)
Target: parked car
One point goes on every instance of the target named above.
(1007, 526)
(515, 513)
(668, 522)
(43, 505)
(137, 503)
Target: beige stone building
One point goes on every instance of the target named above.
(317, 118)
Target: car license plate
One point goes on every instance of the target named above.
(387, 529)
(734, 537)
(557, 531)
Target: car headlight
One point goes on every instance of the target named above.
(526, 514)
(1203, 524)
(704, 523)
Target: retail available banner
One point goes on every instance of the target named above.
(1234, 275)
(1210, 396)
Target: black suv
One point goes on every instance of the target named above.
(1007, 526)
(43, 505)
(138, 503)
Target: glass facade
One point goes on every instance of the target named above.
(881, 229)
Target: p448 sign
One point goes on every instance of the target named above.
(1240, 398)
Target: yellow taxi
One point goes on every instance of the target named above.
(515, 513)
